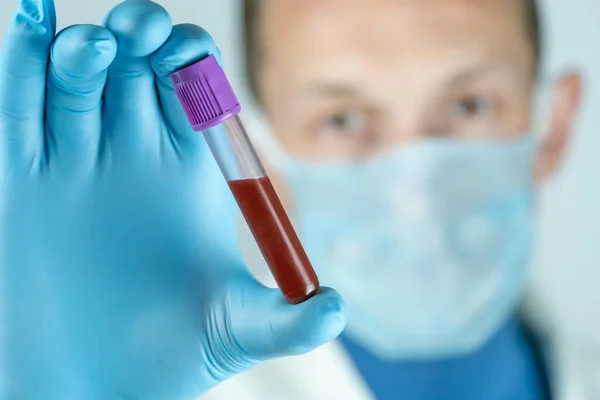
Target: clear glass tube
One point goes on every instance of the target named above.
(262, 210)
(233, 150)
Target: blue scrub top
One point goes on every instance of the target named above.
(507, 367)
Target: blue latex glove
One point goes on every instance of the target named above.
(119, 273)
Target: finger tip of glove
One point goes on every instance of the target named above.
(331, 311)
(282, 329)
(187, 44)
(321, 320)
(36, 17)
(84, 49)
(140, 27)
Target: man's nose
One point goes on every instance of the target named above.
(409, 126)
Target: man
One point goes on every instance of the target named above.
(357, 94)
(407, 168)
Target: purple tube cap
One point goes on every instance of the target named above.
(205, 94)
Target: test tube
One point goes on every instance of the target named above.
(212, 108)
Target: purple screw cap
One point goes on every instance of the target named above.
(205, 94)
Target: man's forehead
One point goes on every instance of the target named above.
(289, 16)
(387, 30)
(297, 7)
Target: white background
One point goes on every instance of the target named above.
(567, 272)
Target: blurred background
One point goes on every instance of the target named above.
(566, 274)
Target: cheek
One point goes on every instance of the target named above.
(277, 109)
(517, 115)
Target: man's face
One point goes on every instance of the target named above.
(351, 78)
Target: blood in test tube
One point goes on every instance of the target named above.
(212, 108)
(276, 238)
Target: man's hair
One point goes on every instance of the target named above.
(251, 16)
(534, 28)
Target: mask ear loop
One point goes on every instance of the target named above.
(540, 119)
(542, 101)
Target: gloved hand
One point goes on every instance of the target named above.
(119, 273)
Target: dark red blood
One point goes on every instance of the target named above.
(276, 238)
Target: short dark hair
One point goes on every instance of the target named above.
(251, 14)
(533, 22)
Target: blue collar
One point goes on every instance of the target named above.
(506, 367)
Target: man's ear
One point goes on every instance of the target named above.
(565, 104)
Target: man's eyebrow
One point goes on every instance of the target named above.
(473, 72)
(349, 90)
(333, 89)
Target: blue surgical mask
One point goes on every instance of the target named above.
(429, 244)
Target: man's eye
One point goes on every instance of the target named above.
(345, 123)
(474, 107)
